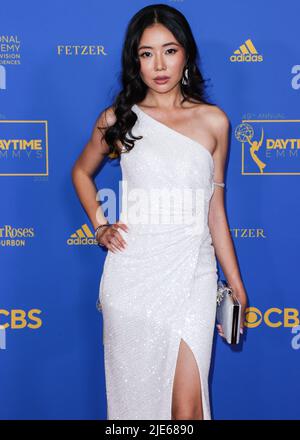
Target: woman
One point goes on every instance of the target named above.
(159, 282)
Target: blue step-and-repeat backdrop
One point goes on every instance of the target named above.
(59, 67)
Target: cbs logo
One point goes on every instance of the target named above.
(273, 317)
(18, 318)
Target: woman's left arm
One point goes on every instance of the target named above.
(217, 219)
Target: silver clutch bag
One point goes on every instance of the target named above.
(228, 312)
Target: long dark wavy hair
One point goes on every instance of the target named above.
(134, 89)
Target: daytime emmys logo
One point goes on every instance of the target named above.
(167, 206)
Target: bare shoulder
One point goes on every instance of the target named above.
(218, 123)
(97, 140)
(106, 118)
(215, 117)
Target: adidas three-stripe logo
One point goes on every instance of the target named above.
(247, 52)
(82, 236)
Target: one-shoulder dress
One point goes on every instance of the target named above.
(163, 286)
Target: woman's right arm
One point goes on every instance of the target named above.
(85, 168)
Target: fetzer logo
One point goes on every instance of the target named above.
(82, 236)
(247, 52)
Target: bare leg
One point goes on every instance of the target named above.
(186, 393)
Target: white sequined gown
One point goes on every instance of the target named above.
(163, 286)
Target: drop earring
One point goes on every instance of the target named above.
(185, 77)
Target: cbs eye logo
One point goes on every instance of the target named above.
(273, 317)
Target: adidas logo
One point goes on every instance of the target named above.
(83, 236)
(246, 52)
